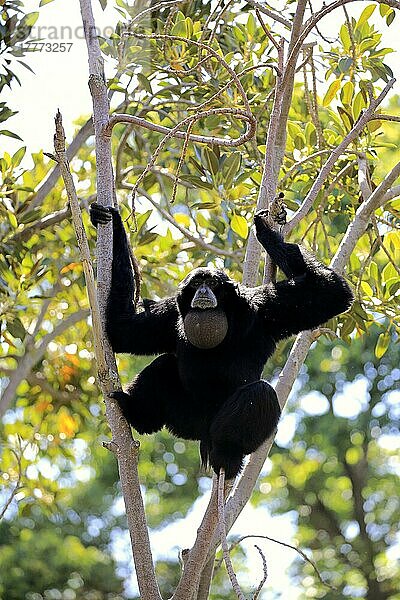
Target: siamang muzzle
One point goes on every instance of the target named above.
(204, 298)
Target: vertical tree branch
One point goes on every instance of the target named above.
(206, 578)
(276, 141)
(125, 447)
(269, 177)
(222, 534)
(198, 555)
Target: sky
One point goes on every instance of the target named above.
(60, 82)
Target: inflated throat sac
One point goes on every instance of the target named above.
(205, 328)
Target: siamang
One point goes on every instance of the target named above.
(214, 337)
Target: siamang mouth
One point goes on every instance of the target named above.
(204, 298)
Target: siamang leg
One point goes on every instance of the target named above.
(242, 424)
(151, 396)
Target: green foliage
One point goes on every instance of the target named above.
(52, 461)
(15, 27)
(68, 553)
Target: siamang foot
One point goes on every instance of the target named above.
(101, 214)
(227, 457)
(124, 402)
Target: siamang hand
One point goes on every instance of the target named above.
(265, 226)
(263, 219)
(101, 214)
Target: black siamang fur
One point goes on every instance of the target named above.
(215, 395)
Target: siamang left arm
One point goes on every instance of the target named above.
(311, 294)
(150, 332)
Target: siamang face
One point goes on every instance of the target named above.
(204, 289)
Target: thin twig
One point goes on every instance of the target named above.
(286, 545)
(16, 488)
(265, 573)
(180, 162)
(266, 30)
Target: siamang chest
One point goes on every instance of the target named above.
(205, 329)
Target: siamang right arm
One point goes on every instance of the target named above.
(311, 294)
(150, 332)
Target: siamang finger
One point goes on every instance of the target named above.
(99, 214)
(263, 213)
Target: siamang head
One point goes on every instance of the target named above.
(205, 289)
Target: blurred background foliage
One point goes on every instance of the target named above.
(335, 475)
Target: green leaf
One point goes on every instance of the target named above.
(18, 156)
(10, 134)
(294, 130)
(367, 44)
(189, 27)
(311, 134)
(30, 19)
(103, 4)
(179, 29)
(367, 289)
(390, 18)
(384, 9)
(346, 118)
(345, 37)
(251, 25)
(382, 344)
(388, 273)
(346, 95)
(230, 168)
(365, 15)
(16, 328)
(197, 182)
(331, 93)
(43, 2)
(144, 82)
(240, 226)
(211, 161)
(13, 219)
(344, 64)
(358, 105)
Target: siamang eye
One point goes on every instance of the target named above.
(194, 283)
(212, 284)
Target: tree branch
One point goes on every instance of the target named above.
(302, 344)
(326, 169)
(270, 13)
(48, 184)
(276, 142)
(108, 374)
(202, 139)
(222, 533)
(198, 555)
